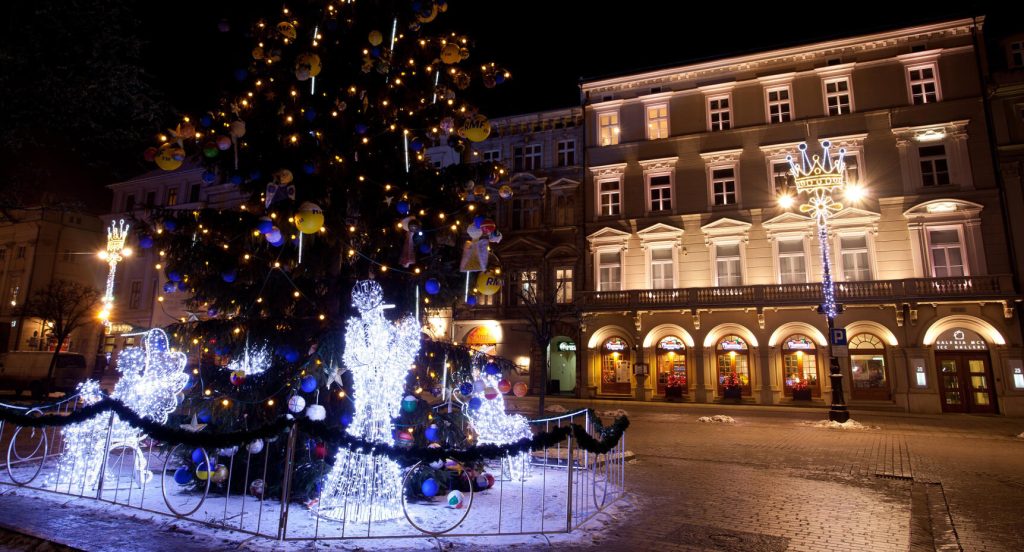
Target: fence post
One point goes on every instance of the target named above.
(286, 480)
(568, 477)
(106, 454)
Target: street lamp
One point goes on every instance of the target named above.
(115, 252)
(819, 178)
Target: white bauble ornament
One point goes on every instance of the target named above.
(256, 446)
(296, 404)
(229, 451)
(316, 412)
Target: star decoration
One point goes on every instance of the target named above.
(195, 426)
(388, 200)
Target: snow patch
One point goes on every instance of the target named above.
(555, 409)
(717, 419)
(849, 425)
(613, 413)
(1021, 436)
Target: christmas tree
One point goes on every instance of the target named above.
(364, 485)
(324, 133)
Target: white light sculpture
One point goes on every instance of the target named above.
(151, 378)
(252, 361)
(365, 485)
(495, 427)
(115, 253)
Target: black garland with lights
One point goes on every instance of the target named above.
(610, 435)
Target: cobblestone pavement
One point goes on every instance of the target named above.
(771, 481)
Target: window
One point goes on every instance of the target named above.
(135, 294)
(172, 197)
(855, 259)
(492, 156)
(733, 364)
(608, 126)
(565, 210)
(660, 187)
(611, 197)
(867, 366)
(615, 366)
(150, 199)
(728, 265)
(525, 213)
(723, 186)
(21, 252)
(193, 193)
(563, 285)
(609, 271)
(780, 108)
(923, 84)
(782, 177)
(934, 165)
(946, 252)
(657, 121)
(798, 364)
(526, 158)
(662, 268)
(129, 202)
(719, 113)
(851, 164)
(837, 96)
(526, 287)
(792, 262)
(1017, 54)
(566, 153)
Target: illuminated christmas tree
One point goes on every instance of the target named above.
(365, 485)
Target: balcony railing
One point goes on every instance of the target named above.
(996, 287)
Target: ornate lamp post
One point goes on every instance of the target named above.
(820, 178)
(115, 253)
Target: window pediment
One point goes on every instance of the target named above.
(938, 209)
(725, 228)
(608, 236)
(660, 232)
(665, 163)
(609, 171)
(721, 156)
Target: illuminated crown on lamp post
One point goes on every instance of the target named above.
(116, 235)
(818, 173)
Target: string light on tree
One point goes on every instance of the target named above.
(364, 484)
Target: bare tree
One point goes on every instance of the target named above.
(64, 304)
(544, 315)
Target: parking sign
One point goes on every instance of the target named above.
(839, 336)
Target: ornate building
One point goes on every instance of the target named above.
(695, 271)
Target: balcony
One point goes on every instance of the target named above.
(985, 288)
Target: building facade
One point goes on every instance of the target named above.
(540, 257)
(695, 272)
(39, 246)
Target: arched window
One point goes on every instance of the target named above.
(615, 367)
(799, 366)
(733, 364)
(671, 359)
(867, 368)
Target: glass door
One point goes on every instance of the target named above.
(950, 384)
(982, 392)
(965, 381)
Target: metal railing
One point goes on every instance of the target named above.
(565, 486)
(995, 287)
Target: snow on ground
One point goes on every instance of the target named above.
(555, 409)
(847, 425)
(1021, 436)
(612, 413)
(717, 419)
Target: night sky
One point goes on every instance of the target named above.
(548, 45)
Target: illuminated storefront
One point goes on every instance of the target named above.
(733, 359)
(671, 364)
(799, 365)
(615, 367)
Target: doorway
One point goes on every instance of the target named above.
(562, 359)
(965, 382)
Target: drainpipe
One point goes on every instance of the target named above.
(583, 366)
(978, 43)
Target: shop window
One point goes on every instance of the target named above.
(615, 367)
(733, 363)
(867, 368)
(671, 359)
(799, 365)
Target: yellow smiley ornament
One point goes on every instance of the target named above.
(169, 157)
(306, 66)
(309, 218)
(476, 129)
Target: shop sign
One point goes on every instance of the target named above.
(567, 346)
(799, 343)
(671, 344)
(119, 329)
(732, 344)
(615, 344)
(960, 340)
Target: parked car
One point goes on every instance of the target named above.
(21, 370)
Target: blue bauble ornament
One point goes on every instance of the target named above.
(431, 433)
(375, 51)
(425, 248)
(478, 220)
(432, 286)
(403, 207)
(465, 388)
(206, 120)
(474, 403)
(146, 242)
(204, 416)
(277, 243)
(211, 311)
(255, 175)
(471, 300)
(310, 114)
(265, 225)
(170, 287)
(221, 350)
(241, 74)
(171, 225)
(183, 475)
(236, 179)
(499, 78)
(189, 382)
(361, 128)
(197, 456)
(308, 383)
(209, 177)
(346, 419)
(492, 369)
(416, 144)
(291, 355)
(182, 286)
(229, 275)
(174, 276)
(308, 168)
(428, 488)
